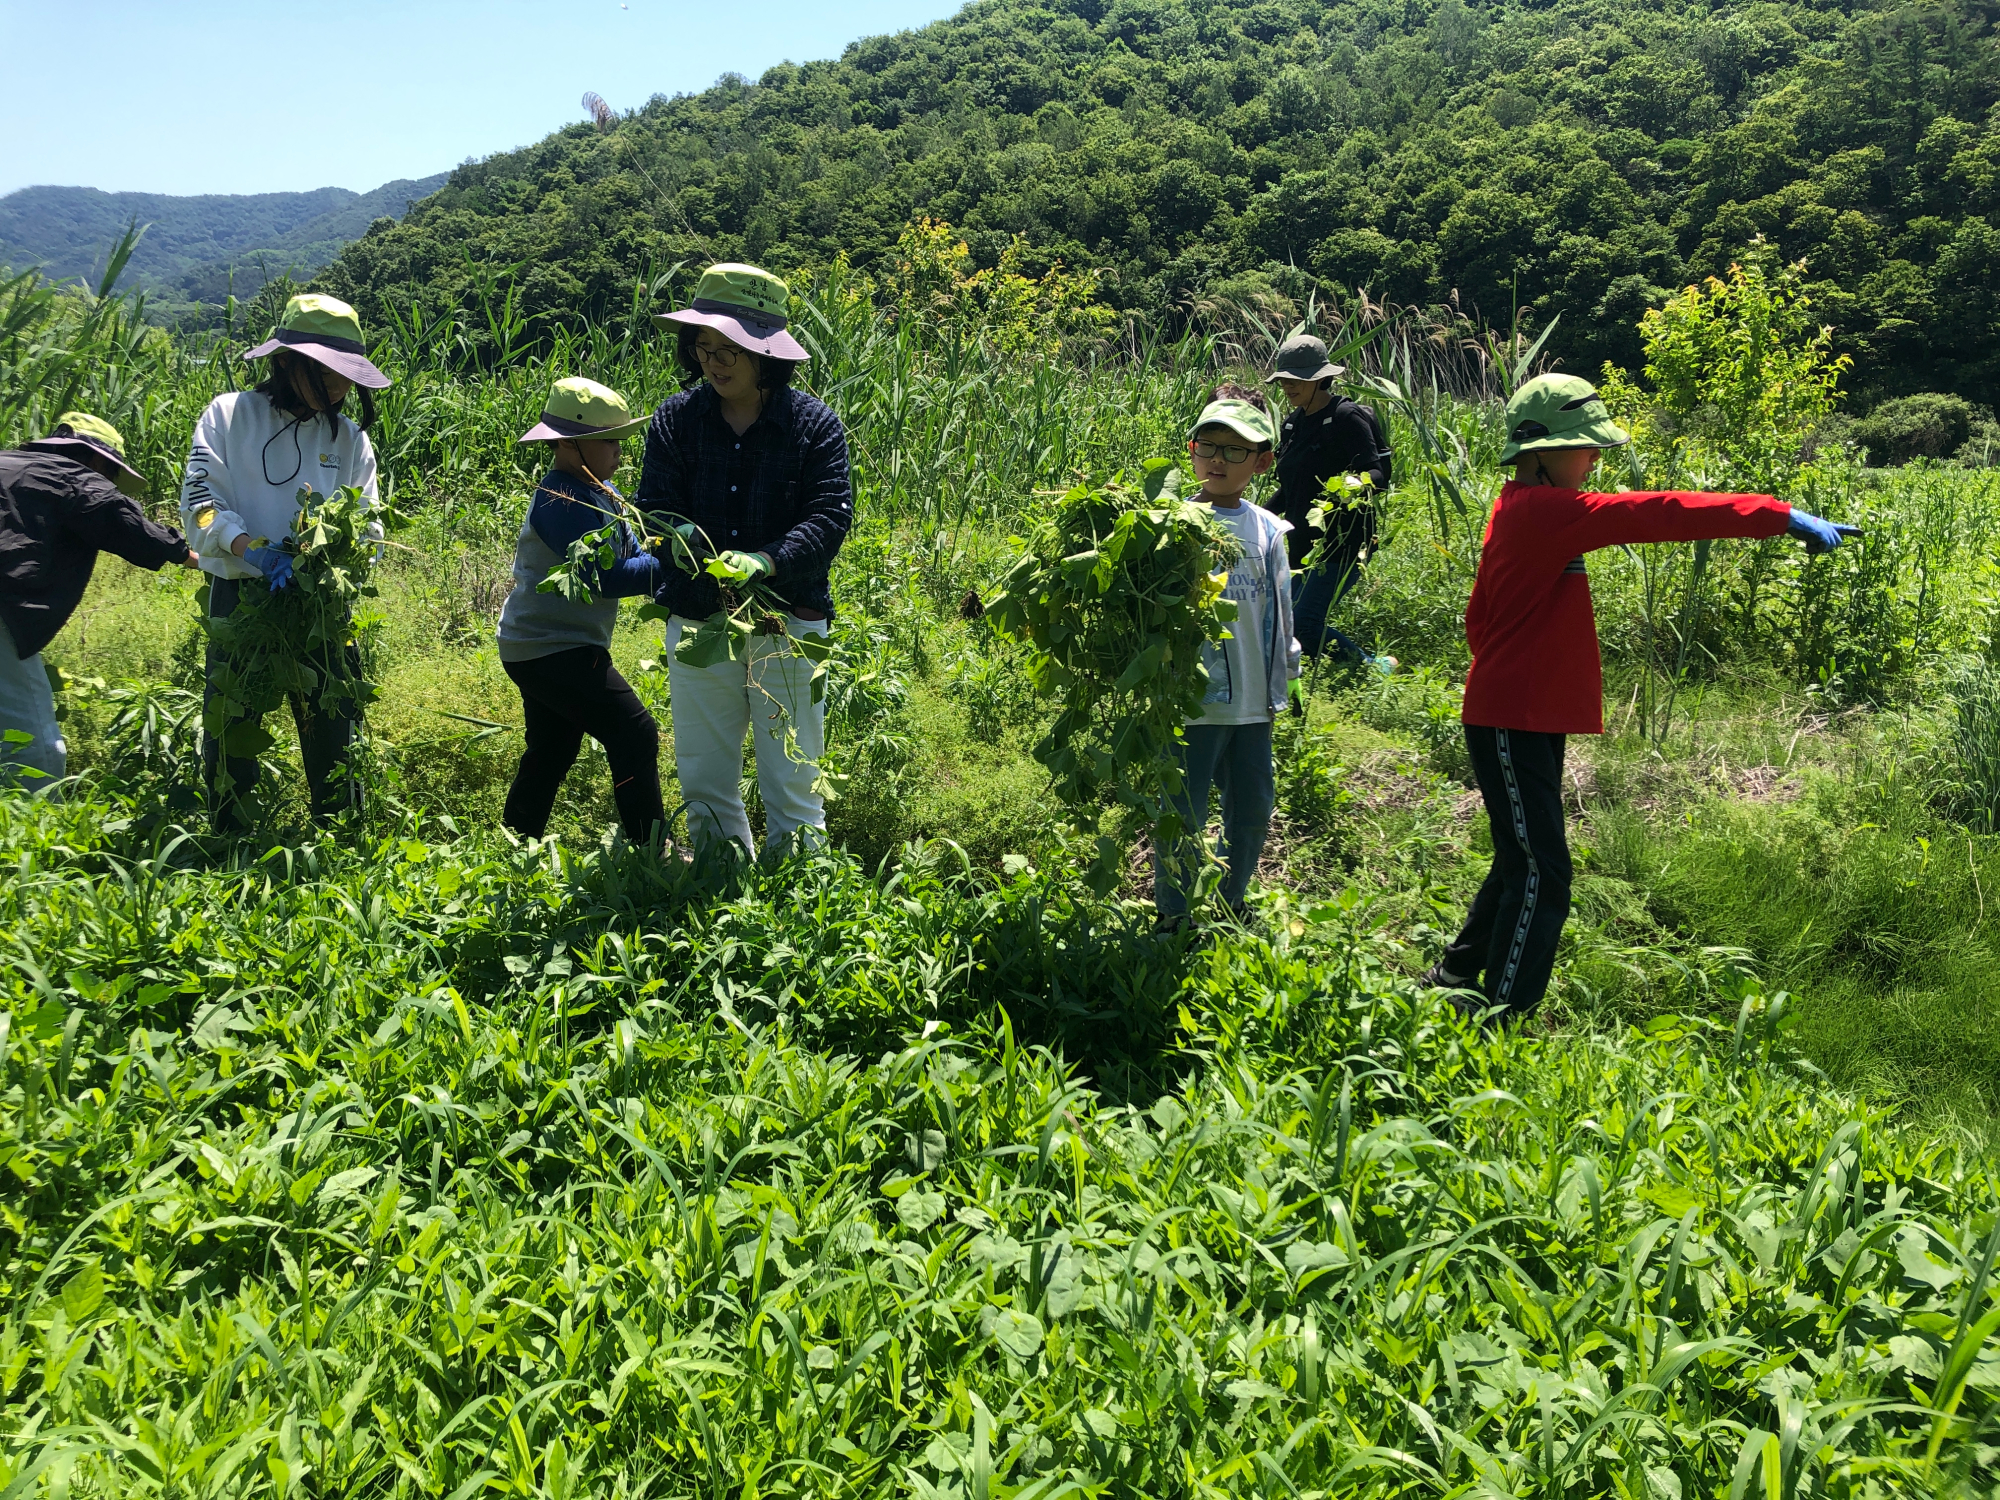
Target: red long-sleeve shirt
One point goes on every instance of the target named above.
(1535, 663)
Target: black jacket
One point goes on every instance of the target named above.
(1342, 437)
(782, 487)
(55, 517)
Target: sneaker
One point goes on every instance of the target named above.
(1438, 977)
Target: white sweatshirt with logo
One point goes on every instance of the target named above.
(246, 467)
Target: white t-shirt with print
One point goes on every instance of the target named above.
(246, 467)
(1246, 697)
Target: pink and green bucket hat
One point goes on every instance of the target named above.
(326, 330)
(746, 305)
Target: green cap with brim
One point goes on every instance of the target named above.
(745, 304)
(328, 331)
(79, 429)
(1558, 411)
(1240, 417)
(579, 408)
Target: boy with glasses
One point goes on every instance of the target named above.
(1249, 674)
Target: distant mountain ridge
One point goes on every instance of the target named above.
(193, 242)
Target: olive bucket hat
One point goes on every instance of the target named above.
(324, 329)
(79, 429)
(579, 408)
(745, 304)
(1239, 417)
(1303, 357)
(1558, 411)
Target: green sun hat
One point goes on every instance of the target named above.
(326, 330)
(745, 304)
(79, 429)
(1240, 417)
(1558, 411)
(1303, 357)
(579, 408)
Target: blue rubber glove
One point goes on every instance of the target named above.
(1819, 536)
(273, 564)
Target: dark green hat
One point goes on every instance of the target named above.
(1303, 357)
(1558, 411)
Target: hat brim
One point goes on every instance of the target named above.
(128, 479)
(1602, 434)
(547, 431)
(1230, 424)
(1328, 371)
(356, 367)
(745, 328)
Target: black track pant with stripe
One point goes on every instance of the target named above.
(1511, 932)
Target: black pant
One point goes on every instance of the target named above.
(1516, 919)
(326, 736)
(565, 696)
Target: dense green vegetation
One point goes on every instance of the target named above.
(1583, 159)
(197, 250)
(402, 1158)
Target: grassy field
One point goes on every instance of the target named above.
(417, 1161)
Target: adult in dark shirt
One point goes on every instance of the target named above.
(761, 469)
(63, 499)
(1326, 437)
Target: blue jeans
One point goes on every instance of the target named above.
(1235, 758)
(1316, 593)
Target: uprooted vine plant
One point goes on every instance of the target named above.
(1115, 595)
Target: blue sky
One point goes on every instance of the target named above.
(170, 97)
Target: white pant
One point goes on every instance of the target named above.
(28, 705)
(713, 706)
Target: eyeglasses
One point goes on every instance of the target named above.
(723, 358)
(1231, 453)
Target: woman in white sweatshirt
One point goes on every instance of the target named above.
(253, 453)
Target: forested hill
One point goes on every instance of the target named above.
(1587, 155)
(191, 242)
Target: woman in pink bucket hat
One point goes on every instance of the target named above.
(760, 468)
(253, 452)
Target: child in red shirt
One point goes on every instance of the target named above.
(1536, 676)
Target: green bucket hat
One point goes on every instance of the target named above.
(745, 304)
(1240, 417)
(1558, 411)
(79, 429)
(579, 408)
(326, 330)
(1303, 357)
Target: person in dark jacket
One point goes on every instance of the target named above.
(1326, 437)
(557, 649)
(63, 499)
(1536, 677)
(761, 469)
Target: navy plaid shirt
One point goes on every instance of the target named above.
(782, 487)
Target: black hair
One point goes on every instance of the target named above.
(772, 374)
(278, 388)
(1229, 390)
